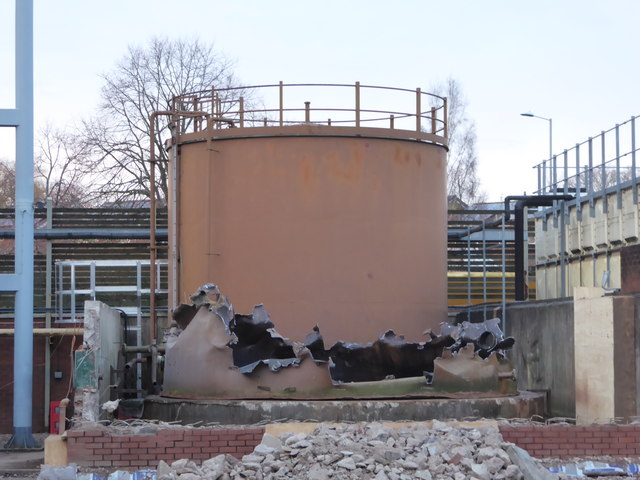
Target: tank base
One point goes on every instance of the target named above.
(248, 412)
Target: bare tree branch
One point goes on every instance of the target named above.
(144, 81)
(463, 183)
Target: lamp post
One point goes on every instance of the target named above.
(552, 180)
(552, 167)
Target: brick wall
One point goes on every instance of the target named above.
(101, 448)
(60, 349)
(568, 441)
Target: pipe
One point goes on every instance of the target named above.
(47, 297)
(152, 206)
(62, 426)
(90, 233)
(152, 221)
(523, 201)
(154, 369)
(53, 332)
(142, 348)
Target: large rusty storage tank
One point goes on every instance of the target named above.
(338, 222)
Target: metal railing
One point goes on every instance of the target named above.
(79, 280)
(279, 105)
(598, 166)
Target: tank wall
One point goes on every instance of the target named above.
(346, 233)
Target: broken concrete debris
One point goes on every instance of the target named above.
(208, 332)
(357, 451)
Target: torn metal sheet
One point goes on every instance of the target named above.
(222, 354)
(258, 342)
(486, 337)
(466, 371)
(200, 364)
(388, 357)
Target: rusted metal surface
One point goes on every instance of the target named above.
(346, 232)
(224, 355)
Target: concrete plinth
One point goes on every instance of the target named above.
(247, 412)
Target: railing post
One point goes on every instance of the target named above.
(633, 160)
(434, 125)
(418, 109)
(281, 95)
(241, 112)
(446, 119)
(618, 176)
(605, 203)
(578, 184)
(357, 104)
(590, 180)
(307, 112)
(392, 120)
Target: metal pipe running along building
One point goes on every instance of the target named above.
(329, 216)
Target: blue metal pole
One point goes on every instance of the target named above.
(23, 342)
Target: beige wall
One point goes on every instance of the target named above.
(604, 329)
(348, 233)
(592, 239)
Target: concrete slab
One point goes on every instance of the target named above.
(248, 412)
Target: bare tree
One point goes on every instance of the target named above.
(61, 166)
(145, 81)
(8, 185)
(463, 183)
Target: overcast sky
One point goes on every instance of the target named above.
(572, 60)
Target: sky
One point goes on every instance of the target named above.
(574, 61)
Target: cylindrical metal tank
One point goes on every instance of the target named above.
(343, 227)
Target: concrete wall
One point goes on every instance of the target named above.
(584, 353)
(543, 353)
(103, 334)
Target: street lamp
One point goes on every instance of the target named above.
(531, 115)
(552, 180)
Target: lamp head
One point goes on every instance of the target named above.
(527, 114)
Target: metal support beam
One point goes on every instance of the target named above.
(23, 340)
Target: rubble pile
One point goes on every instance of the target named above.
(364, 451)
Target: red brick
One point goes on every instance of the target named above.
(156, 451)
(174, 450)
(117, 451)
(102, 463)
(593, 451)
(140, 463)
(236, 443)
(130, 456)
(202, 443)
(120, 463)
(227, 449)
